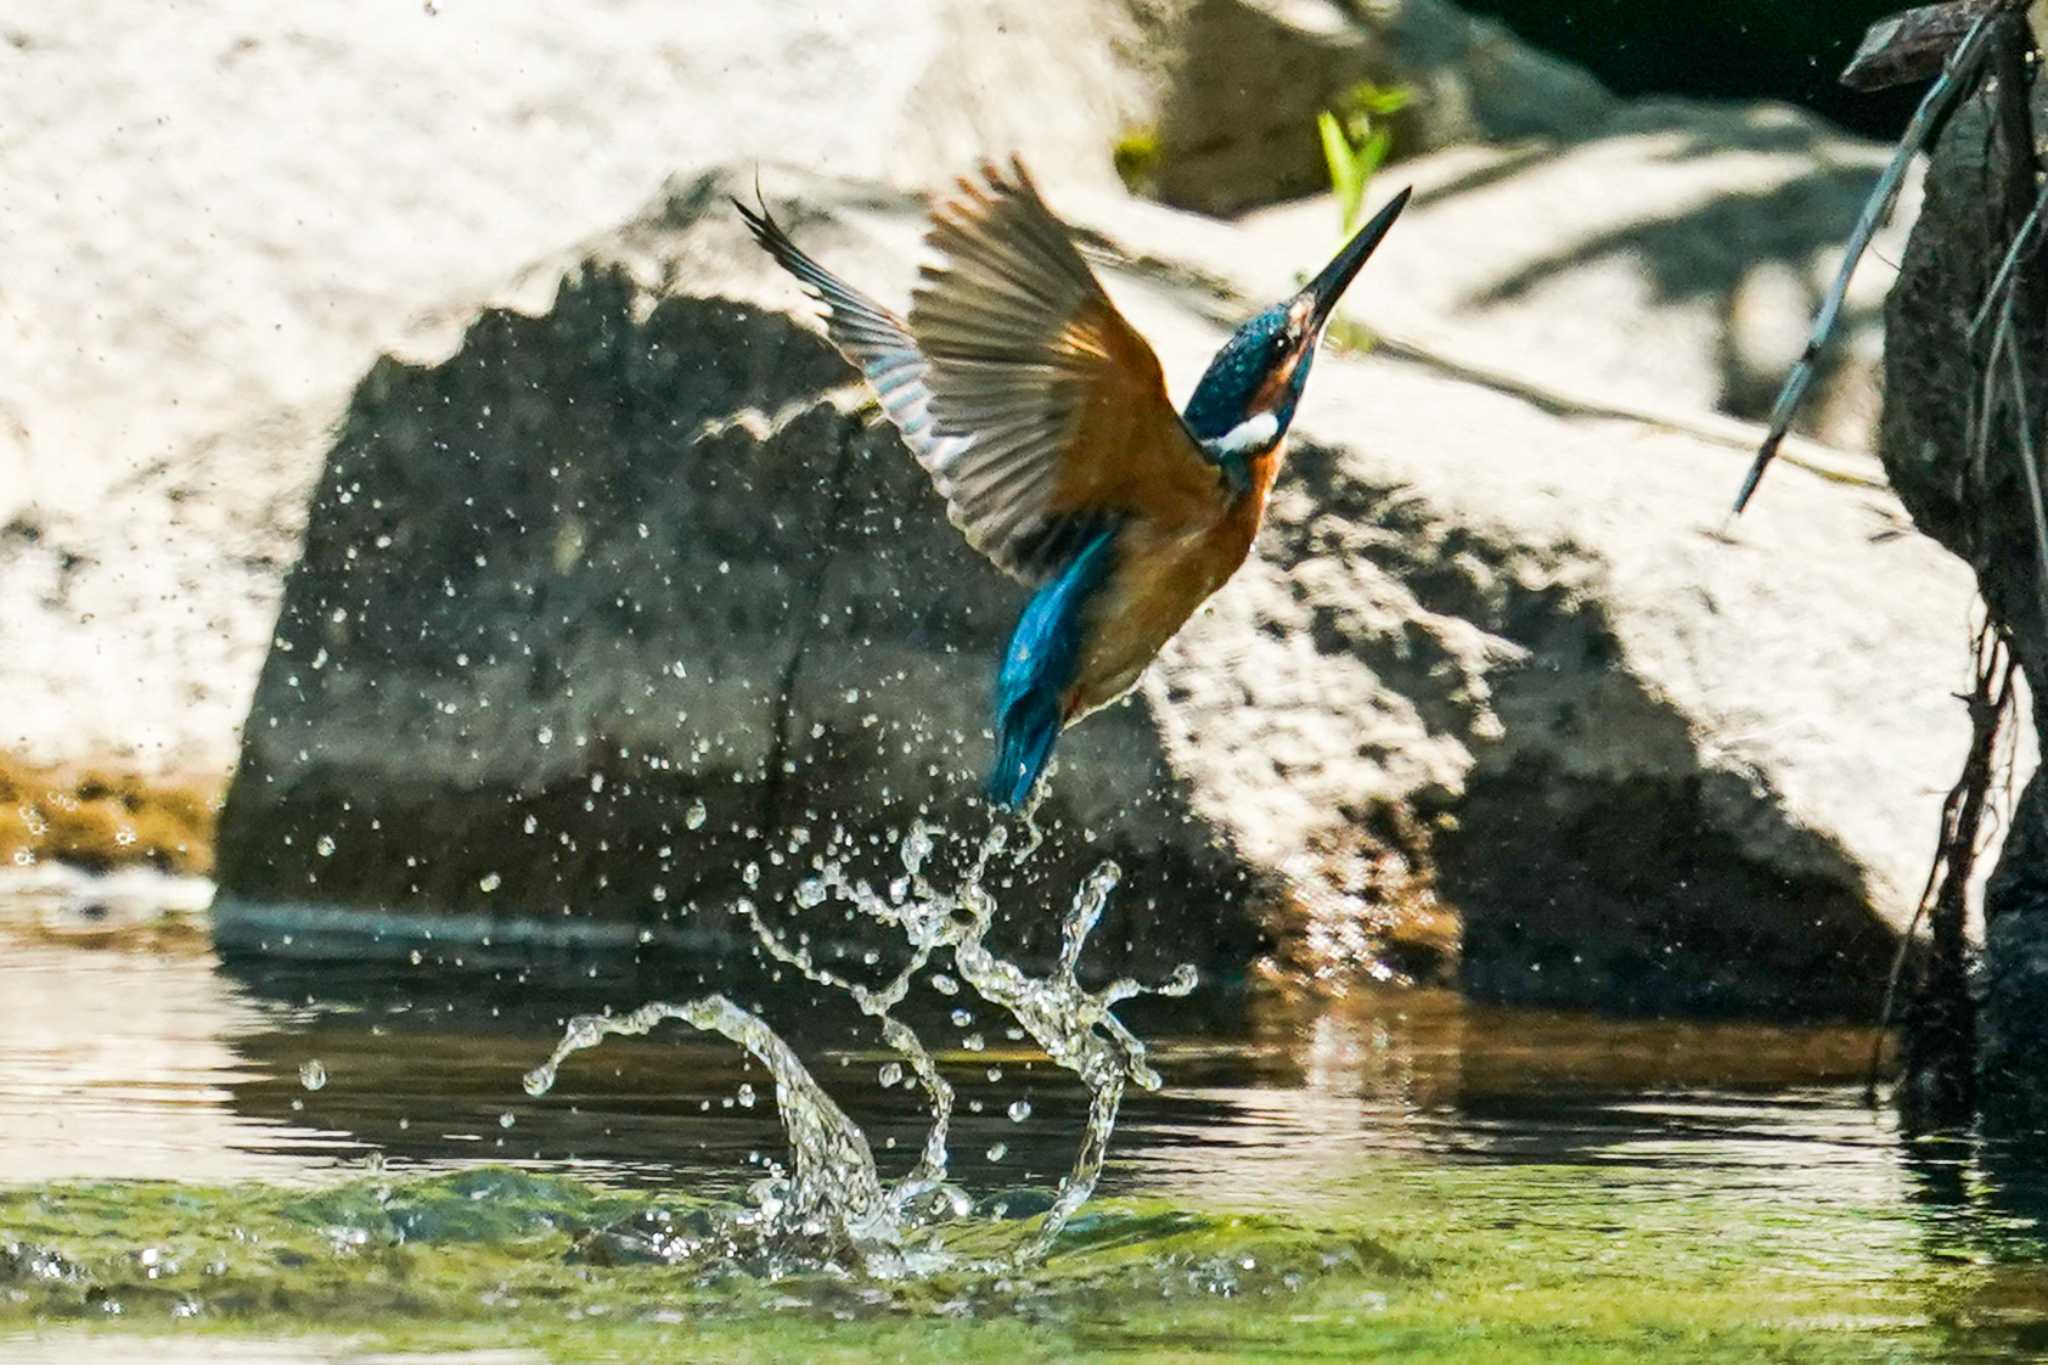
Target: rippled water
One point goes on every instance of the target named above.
(128, 1049)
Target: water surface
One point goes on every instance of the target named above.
(1603, 1148)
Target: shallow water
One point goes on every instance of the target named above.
(129, 1052)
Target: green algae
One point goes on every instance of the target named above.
(1403, 1259)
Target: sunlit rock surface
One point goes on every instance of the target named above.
(1668, 264)
(648, 548)
(186, 319)
(235, 210)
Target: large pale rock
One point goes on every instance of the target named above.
(1643, 762)
(227, 211)
(1668, 267)
(244, 209)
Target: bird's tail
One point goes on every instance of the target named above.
(1039, 665)
(1025, 733)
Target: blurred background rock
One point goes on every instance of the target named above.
(223, 215)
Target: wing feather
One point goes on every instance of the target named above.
(1061, 403)
(1039, 412)
(869, 335)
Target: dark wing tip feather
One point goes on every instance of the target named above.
(857, 322)
(766, 231)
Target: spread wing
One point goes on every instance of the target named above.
(1051, 411)
(866, 333)
(1039, 413)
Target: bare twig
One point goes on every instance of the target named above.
(2003, 279)
(1984, 412)
(1944, 898)
(2030, 462)
(1961, 71)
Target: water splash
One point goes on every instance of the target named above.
(831, 1207)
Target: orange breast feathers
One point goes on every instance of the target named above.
(1163, 576)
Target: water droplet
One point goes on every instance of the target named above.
(833, 1178)
(538, 1081)
(415, 957)
(694, 817)
(491, 882)
(324, 846)
(506, 1120)
(916, 848)
(546, 734)
(751, 874)
(312, 1075)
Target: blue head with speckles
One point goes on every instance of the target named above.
(1262, 368)
(1248, 395)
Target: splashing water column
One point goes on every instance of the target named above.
(833, 1206)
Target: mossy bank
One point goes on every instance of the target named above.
(103, 818)
(1427, 1263)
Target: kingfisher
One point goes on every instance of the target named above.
(1043, 419)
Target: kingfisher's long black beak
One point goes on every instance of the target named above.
(1325, 289)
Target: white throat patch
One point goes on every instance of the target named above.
(1250, 436)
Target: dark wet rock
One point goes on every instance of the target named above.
(629, 609)
(648, 547)
(1981, 512)
(2016, 998)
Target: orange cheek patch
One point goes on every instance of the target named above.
(1275, 385)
